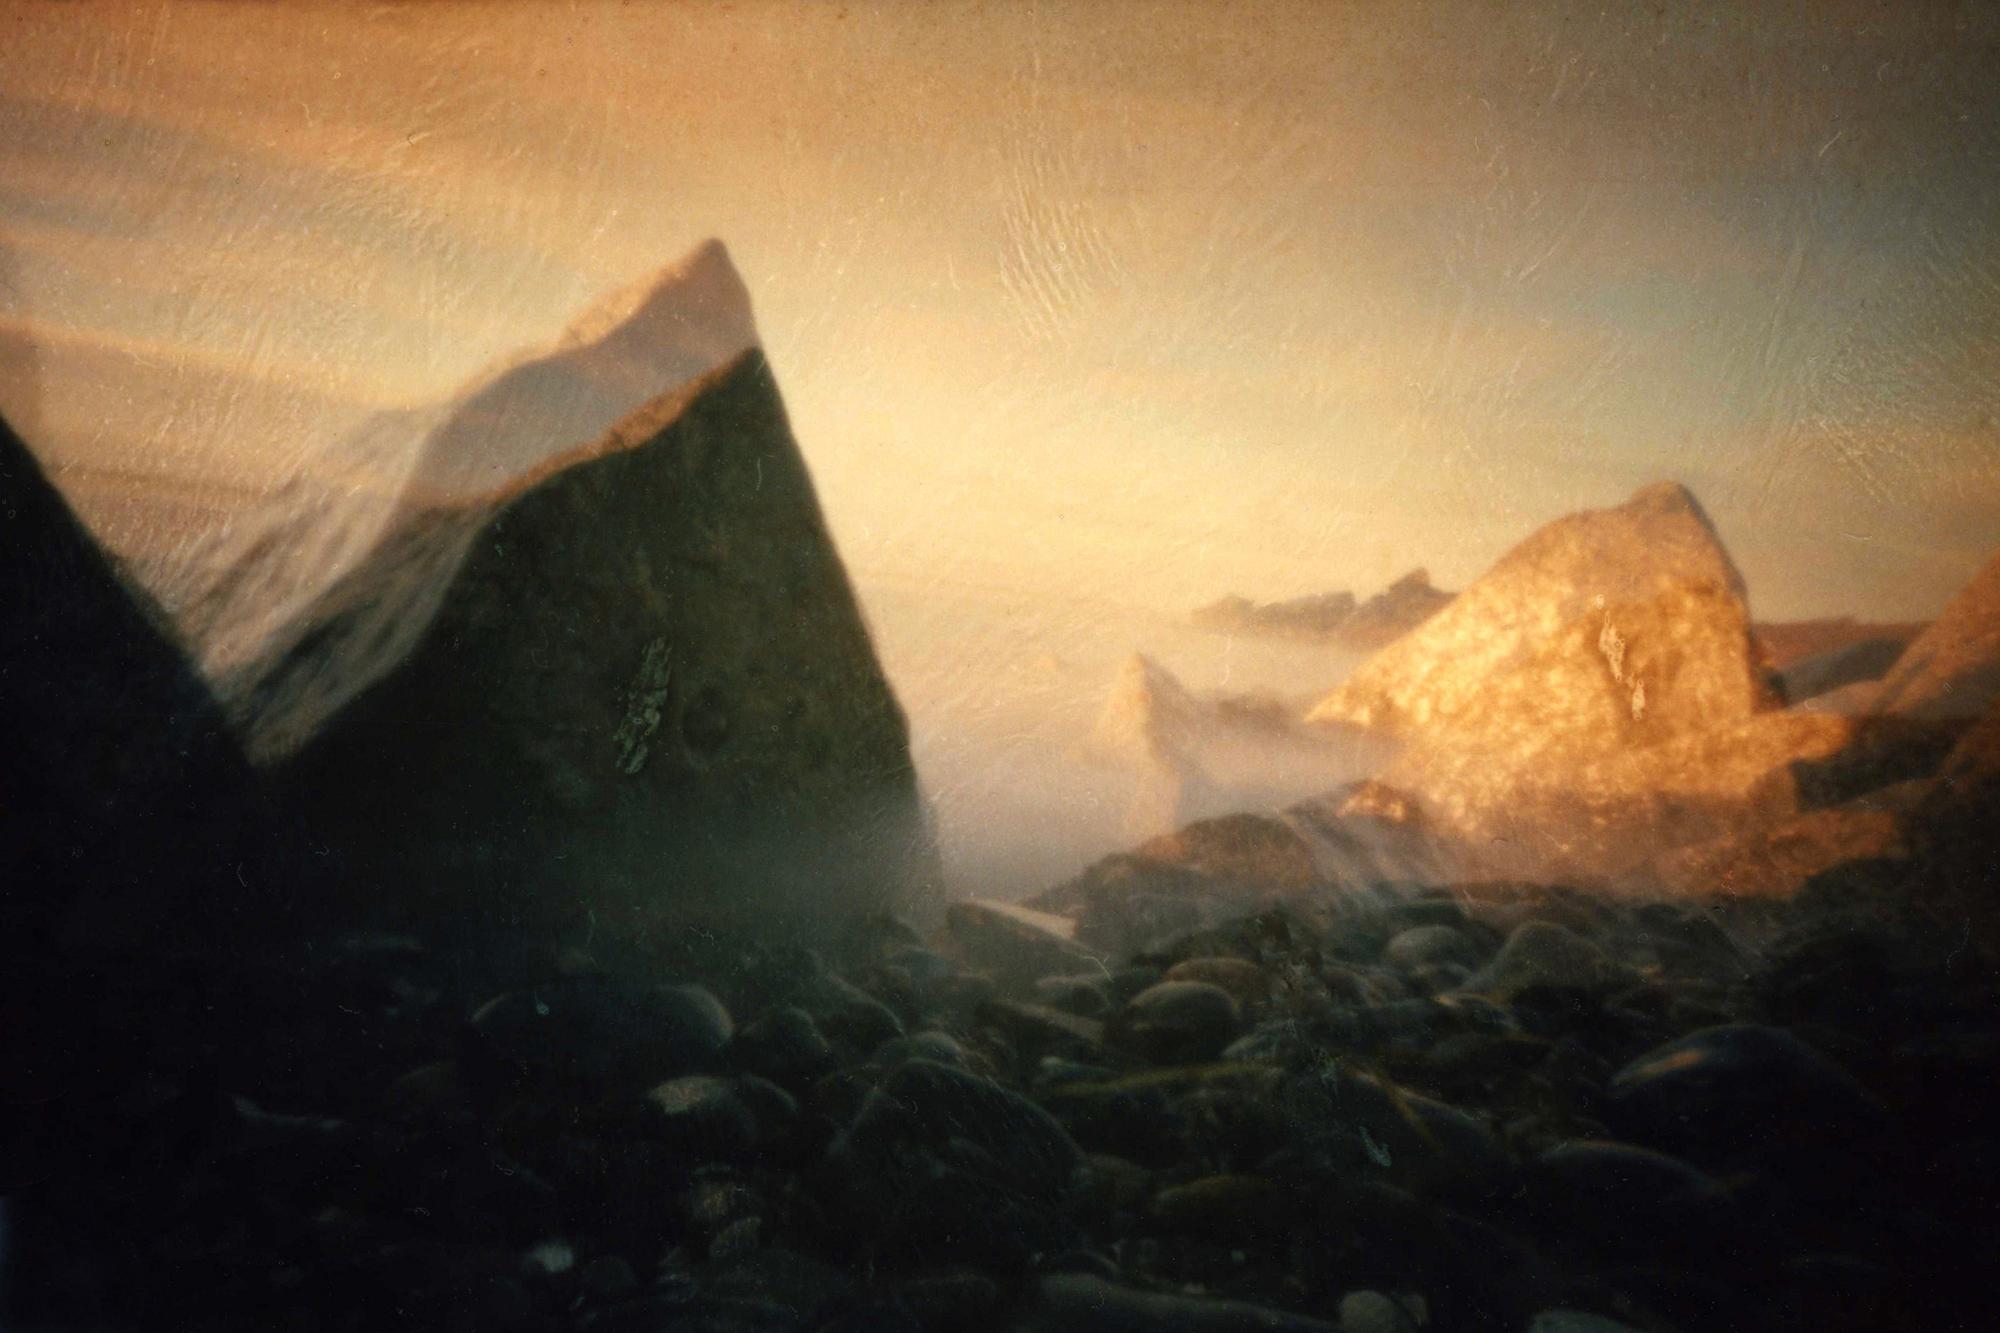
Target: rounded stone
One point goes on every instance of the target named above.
(600, 1032)
(1429, 946)
(1246, 982)
(1737, 1092)
(1377, 1312)
(1179, 1021)
(1541, 954)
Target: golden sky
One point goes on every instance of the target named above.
(1159, 301)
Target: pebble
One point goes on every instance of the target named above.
(599, 1033)
(1738, 1092)
(1079, 1303)
(1428, 946)
(1542, 954)
(1178, 1022)
(784, 1045)
(1378, 1312)
(1248, 984)
(705, 1115)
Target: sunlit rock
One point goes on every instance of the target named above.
(603, 667)
(1788, 643)
(1553, 713)
(1611, 626)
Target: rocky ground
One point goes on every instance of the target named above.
(1384, 1112)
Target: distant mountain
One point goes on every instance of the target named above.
(123, 800)
(1390, 614)
(1333, 617)
(597, 661)
(1316, 617)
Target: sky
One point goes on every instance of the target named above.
(1144, 303)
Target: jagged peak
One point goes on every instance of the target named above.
(704, 281)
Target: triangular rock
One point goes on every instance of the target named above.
(628, 685)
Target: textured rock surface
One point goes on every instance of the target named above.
(1610, 626)
(631, 684)
(121, 793)
(1952, 669)
(1594, 698)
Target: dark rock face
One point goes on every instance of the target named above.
(1956, 832)
(1740, 1091)
(122, 796)
(641, 691)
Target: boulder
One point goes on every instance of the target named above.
(612, 681)
(1606, 627)
(1390, 614)
(1182, 880)
(1536, 711)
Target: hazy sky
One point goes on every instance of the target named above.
(1154, 302)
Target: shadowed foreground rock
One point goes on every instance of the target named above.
(1480, 1110)
(123, 799)
(627, 689)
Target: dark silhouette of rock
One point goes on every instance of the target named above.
(1316, 617)
(1332, 617)
(1956, 836)
(1395, 611)
(124, 803)
(626, 688)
